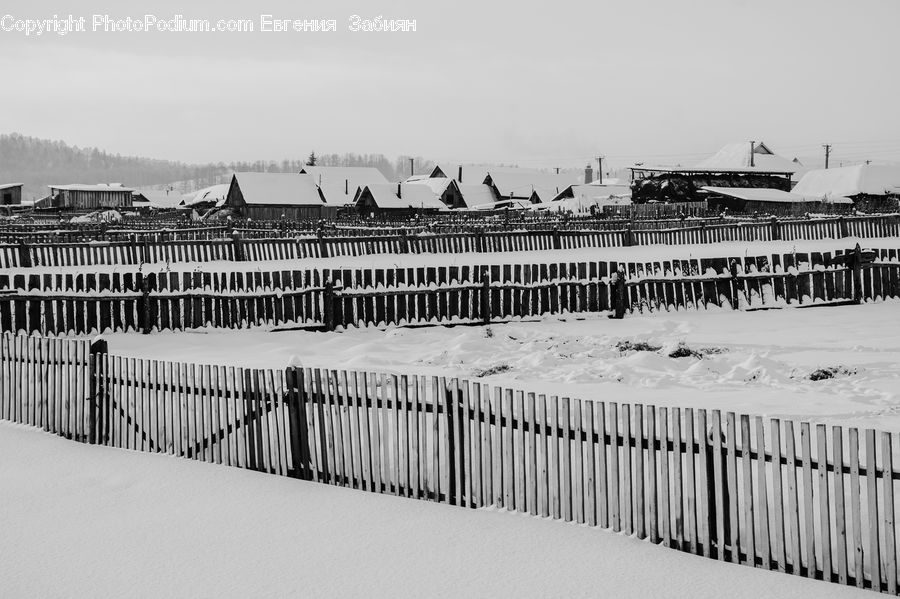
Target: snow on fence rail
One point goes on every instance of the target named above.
(777, 494)
(85, 303)
(146, 250)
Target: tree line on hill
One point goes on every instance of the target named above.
(38, 163)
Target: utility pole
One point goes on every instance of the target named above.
(557, 170)
(827, 153)
(411, 173)
(752, 151)
(599, 169)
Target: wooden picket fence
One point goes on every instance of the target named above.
(147, 250)
(87, 303)
(792, 497)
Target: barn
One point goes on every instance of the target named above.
(10, 194)
(102, 196)
(275, 196)
(738, 165)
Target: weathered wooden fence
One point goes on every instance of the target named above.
(84, 303)
(237, 248)
(793, 497)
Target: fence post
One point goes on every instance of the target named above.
(732, 268)
(485, 297)
(24, 254)
(132, 246)
(299, 432)
(856, 264)
(146, 325)
(776, 229)
(404, 242)
(238, 247)
(703, 231)
(629, 236)
(557, 242)
(328, 305)
(98, 393)
(479, 239)
(323, 248)
(842, 223)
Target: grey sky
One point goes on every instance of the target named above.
(546, 84)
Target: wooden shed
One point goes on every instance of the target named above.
(10, 194)
(275, 196)
(398, 199)
(101, 196)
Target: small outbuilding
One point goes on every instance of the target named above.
(10, 194)
(77, 196)
(771, 201)
(874, 187)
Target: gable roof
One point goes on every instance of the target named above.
(213, 193)
(282, 189)
(522, 183)
(412, 195)
(736, 156)
(356, 176)
(158, 198)
(437, 185)
(476, 194)
(95, 187)
(10, 185)
(590, 191)
(847, 181)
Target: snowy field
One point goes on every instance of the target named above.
(84, 521)
(748, 362)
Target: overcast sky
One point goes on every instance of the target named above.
(539, 84)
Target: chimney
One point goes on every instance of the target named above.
(399, 195)
(459, 177)
(752, 152)
(588, 174)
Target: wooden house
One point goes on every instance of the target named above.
(446, 190)
(10, 194)
(275, 196)
(771, 201)
(102, 196)
(339, 185)
(871, 187)
(397, 198)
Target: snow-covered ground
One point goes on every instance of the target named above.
(84, 521)
(749, 362)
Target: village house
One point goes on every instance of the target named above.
(339, 185)
(10, 194)
(528, 185)
(739, 165)
(275, 196)
(446, 190)
(870, 186)
(397, 198)
(770, 201)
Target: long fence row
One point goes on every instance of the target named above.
(240, 249)
(793, 497)
(86, 303)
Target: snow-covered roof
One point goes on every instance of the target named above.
(159, 198)
(764, 194)
(609, 181)
(471, 173)
(214, 193)
(736, 156)
(283, 189)
(520, 183)
(354, 176)
(10, 185)
(476, 194)
(412, 195)
(438, 185)
(95, 187)
(847, 181)
(593, 192)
